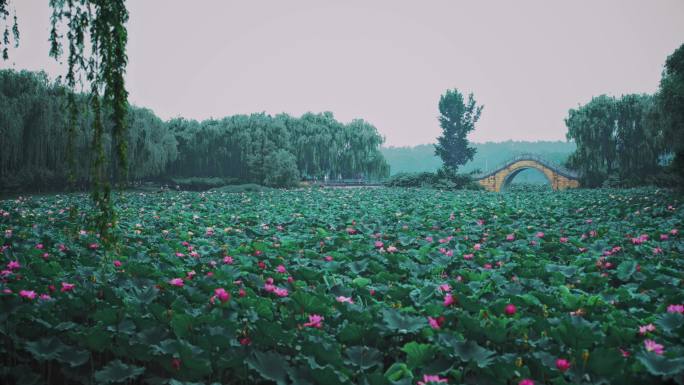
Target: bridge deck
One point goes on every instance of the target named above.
(533, 157)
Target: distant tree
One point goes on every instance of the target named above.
(616, 138)
(670, 100)
(280, 169)
(457, 119)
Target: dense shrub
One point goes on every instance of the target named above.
(442, 179)
(280, 169)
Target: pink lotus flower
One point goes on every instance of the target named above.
(13, 265)
(449, 300)
(176, 363)
(510, 237)
(428, 239)
(445, 287)
(563, 239)
(315, 321)
(62, 247)
(652, 346)
(281, 269)
(269, 287)
(434, 323)
(343, 299)
(178, 282)
(391, 249)
(328, 258)
(280, 292)
(468, 257)
(625, 353)
(378, 244)
(526, 381)
(28, 294)
(67, 287)
(245, 341)
(488, 266)
(510, 309)
(117, 263)
(562, 364)
(180, 255)
(93, 246)
(664, 237)
(657, 250)
(674, 232)
(221, 294)
(45, 297)
(540, 234)
(242, 293)
(40, 246)
(675, 309)
(646, 329)
(228, 260)
(432, 379)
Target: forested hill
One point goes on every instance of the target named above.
(489, 155)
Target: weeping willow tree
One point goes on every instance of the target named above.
(95, 42)
(242, 148)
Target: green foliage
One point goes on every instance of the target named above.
(582, 286)
(670, 100)
(442, 179)
(457, 119)
(32, 125)
(280, 169)
(616, 138)
(261, 149)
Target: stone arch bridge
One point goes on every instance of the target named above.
(499, 179)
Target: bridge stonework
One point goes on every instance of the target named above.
(499, 179)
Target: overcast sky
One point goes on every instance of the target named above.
(385, 61)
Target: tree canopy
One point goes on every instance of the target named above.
(457, 119)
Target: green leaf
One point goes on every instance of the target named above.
(117, 371)
(74, 357)
(399, 374)
(626, 269)
(660, 365)
(401, 322)
(469, 351)
(670, 321)
(360, 282)
(45, 349)
(181, 323)
(418, 354)
(363, 356)
(271, 366)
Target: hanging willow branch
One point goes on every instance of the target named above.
(102, 24)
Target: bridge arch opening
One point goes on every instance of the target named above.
(527, 176)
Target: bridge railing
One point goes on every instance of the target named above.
(528, 156)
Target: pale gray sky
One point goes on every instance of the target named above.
(527, 61)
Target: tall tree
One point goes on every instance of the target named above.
(670, 101)
(457, 119)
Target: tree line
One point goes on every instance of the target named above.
(259, 148)
(634, 139)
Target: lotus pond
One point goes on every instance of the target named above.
(346, 286)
